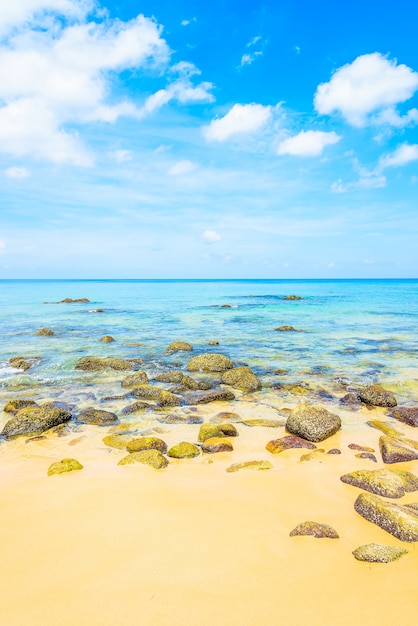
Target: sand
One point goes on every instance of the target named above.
(192, 544)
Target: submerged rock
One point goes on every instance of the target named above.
(210, 362)
(70, 300)
(107, 339)
(377, 553)
(179, 346)
(97, 364)
(251, 465)
(312, 423)
(259, 421)
(385, 427)
(133, 380)
(97, 417)
(34, 420)
(292, 297)
(66, 465)
(376, 395)
(23, 362)
(407, 415)
(136, 407)
(351, 399)
(192, 418)
(45, 332)
(119, 440)
(220, 418)
(366, 455)
(397, 450)
(154, 458)
(395, 519)
(242, 378)
(162, 397)
(204, 397)
(286, 328)
(384, 482)
(184, 450)
(217, 444)
(147, 443)
(209, 430)
(320, 531)
(177, 376)
(13, 406)
(289, 441)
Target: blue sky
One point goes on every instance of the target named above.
(232, 140)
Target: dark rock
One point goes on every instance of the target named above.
(210, 362)
(217, 444)
(136, 407)
(179, 346)
(214, 343)
(133, 380)
(184, 450)
(286, 328)
(220, 418)
(356, 446)
(226, 306)
(192, 418)
(97, 417)
(34, 420)
(289, 441)
(13, 406)
(366, 455)
(209, 431)
(66, 465)
(312, 423)
(203, 397)
(45, 332)
(334, 451)
(384, 482)
(407, 415)
(377, 553)
(319, 531)
(397, 450)
(173, 376)
(398, 520)
(376, 395)
(241, 378)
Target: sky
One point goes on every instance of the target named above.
(249, 139)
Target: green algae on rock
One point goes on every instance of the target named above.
(97, 417)
(287, 442)
(134, 380)
(119, 440)
(398, 520)
(179, 346)
(251, 465)
(383, 482)
(384, 427)
(154, 458)
(209, 362)
(217, 444)
(107, 339)
(204, 397)
(35, 420)
(162, 397)
(66, 465)
(314, 529)
(397, 450)
(184, 450)
(147, 443)
(241, 378)
(23, 362)
(13, 406)
(97, 364)
(376, 395)
(259, 421)
(210, 430)
(312, 423)
(378, 553)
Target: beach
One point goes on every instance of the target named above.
(192, 542)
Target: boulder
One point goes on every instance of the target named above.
(97, 417)
(97, 364)
(23, 362)
(66, 465)
(184, 450)
(154, 458)
(136, 407)
(179, 346)
(377, 553)
(383, 482)
(119, 440)
(376, 395)
(203, 397)
(133, 380)
(34, 420)
(162, 397)
(209, 430)
(209, 362)
(395, 450)
(251, 465)
(289, 441)
(407, 415)
(312, 423)
(13, 406)
(173, 376)
(242, 378)
(398, 520)
(286, 328)
(320, 531)
(146, 443)
(45, 332)
(107, 339)
(188, 382)
(217, 444)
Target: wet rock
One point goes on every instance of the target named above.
(385, 427)
(23, 362)
(119, 440)
(162, 397)
(289, 441)
(34, 420)
(112, 398)
(259, 421)
(183, 450)
(213, 343)
(334, 451)
(133, 380)
(366, 455)
(311, 455)
(154, 458)
(107, 339)
(71, 301)
(251, 465)
(13, 406)
(173, 376)
(407, 415)
(292, 297)
(378, 553)
(147, 443)
(192, 418)
(97, 364)
(395, 519)
(226, 306)
(204, 397)
(351, 399)
(188, 382)
(66, 465)
(384, 482)
(179, 346)
(45, 332)
(217, 444)
(356, 446)
(210, 362)
(376, 395)
(320, 531)
(397, 450)
(221, 417)
(241, 378)
(312, 423)
(97, 417)
(136, 407)
(286, 328)
(209, 430)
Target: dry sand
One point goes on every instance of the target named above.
(192, 544)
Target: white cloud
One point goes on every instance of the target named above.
(211, 236)
(121, 156)
(241, 119)
(2, 245)
(371, 84)
(308, 143)
(14, 14)
(404, 154)
(369, 180)
(181, 167)
(249, 58)
(253, 41)
(17, 172)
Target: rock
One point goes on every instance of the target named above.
(292, 297)
(413, 506)
(96, 364)
(384, 482)
(252, 465)
(366, 455)
(226, 306)
(220, 418)
(136, 407)
(147, 443)
(395, 519)
(351, 399)
(184, 450)
(241, 378)
(133, 380)
(23, 363)
(97, 417)
(119, 440)
(376, 395)
(188, 382)
(315, 529)
(173, 376)
(193, 418)
(385, 428)
(289, 441)
(154, 458)
(203, 397)
(377, 553)
(397, 450)
(209, 362)
(407, 415)
(66, 465)
(107, 339)
(217, 444)
(312, 423)
(208, 431)
(162, 397)
(13, 406)
(179, 346)
(45, 332)
(213, 343)
(70, 300)
(286, 328)
(34, 420)
(259, 421)
(311, 455)
(356, 446)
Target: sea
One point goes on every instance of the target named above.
(348, 332)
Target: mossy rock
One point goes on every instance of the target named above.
(287, 442)
(407, 415)
(13, 406)
(384, 427)
(191, 418)
(383, 482)
(34, 420)
(312, 423)
(293, 297)
(209, 430)
(66, 465)
(241, 378)
(107, 339)
(97, 364)
(147, 443)
(162, 397)
(154, 458)
(209, 362)
(190, 383)
(172, 376)
(213, 395)
(378, 553)
(376, 395)
(184, 450)
(397, 450)
(217, 444)
(286, 329)
(134, 380)
(45, 332)
(314, 529)
(119, 441)
(398, 520)
(250, 465)
(259, 421)
(179, 346)
(97, 417)
(136, 407)
(23, 363)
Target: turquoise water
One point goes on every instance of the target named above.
(361, 330)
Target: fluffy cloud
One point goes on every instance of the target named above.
(308, 143)
(13, 14)
(241, 119)
(372, 84)
(404, 154)
(211, 236)
(17, 172)
(181, 167)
